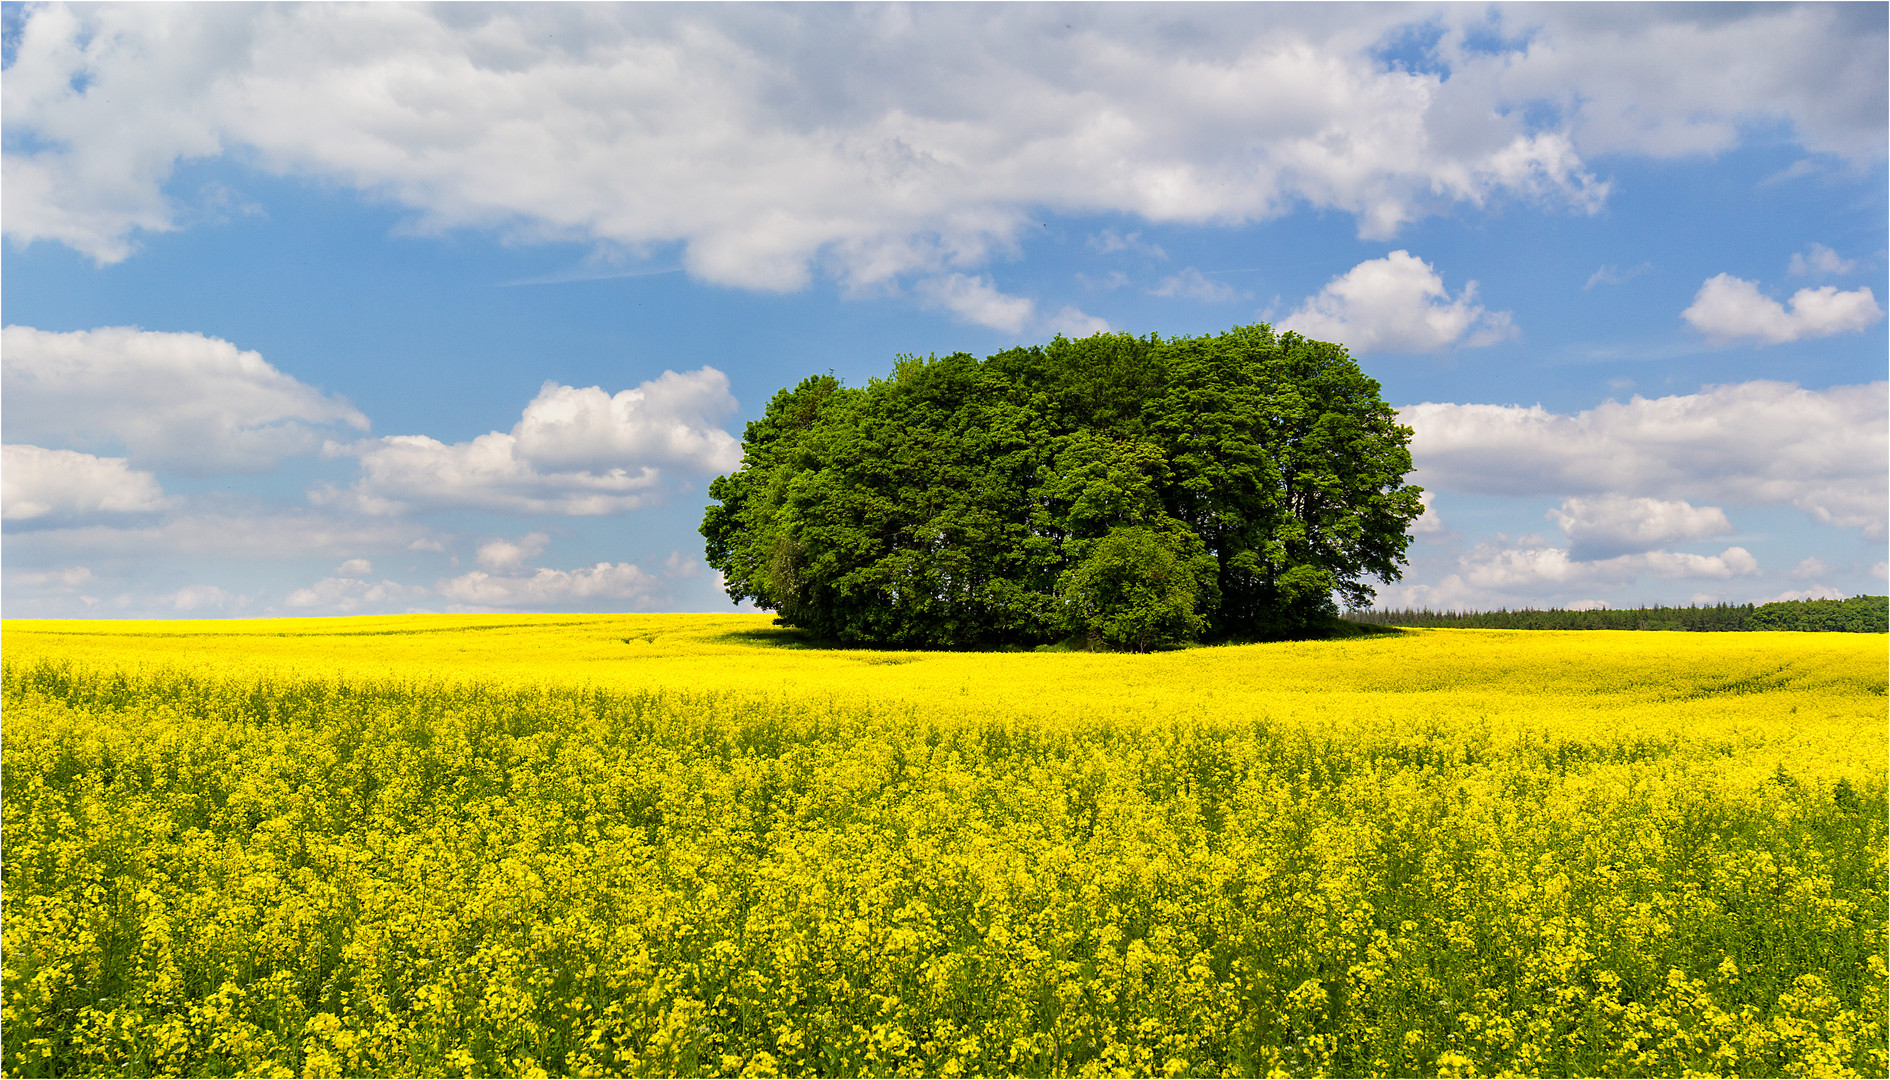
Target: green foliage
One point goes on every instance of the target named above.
(967, 502)
(1136, 588)
(1859, 614)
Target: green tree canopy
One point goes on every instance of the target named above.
(1132, 491)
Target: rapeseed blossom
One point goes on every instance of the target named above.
(661, 845)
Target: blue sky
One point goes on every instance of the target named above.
(324, 310)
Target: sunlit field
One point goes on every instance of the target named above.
(661, 845)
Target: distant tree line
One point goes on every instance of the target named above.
(1858, 615)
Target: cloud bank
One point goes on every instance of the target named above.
(1615, 525)
(880, 143)
(548, 589)
(183, 403)
(1754, 443)
(574, 451)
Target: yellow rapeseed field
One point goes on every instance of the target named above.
(689, 844)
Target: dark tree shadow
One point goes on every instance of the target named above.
(795, 638)
(778, 637)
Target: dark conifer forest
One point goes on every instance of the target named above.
(1859, 614)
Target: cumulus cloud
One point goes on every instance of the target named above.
(1495, 567)
(60, 485)
(511, 554)
(882, 142)
(355, 568)
(1429, 523)
(876, 142)
(574, 451)
(1195, 285)
(346, 595)
(1819, 259)
(1808, 568)
(1614, 275)
(202, 598)
(1073, 322)
(977, 300)
(257, 534)
(1665, 83)
(1599, 528)
(1816, 592)
(1397, 304)
(406, 472)
(1109, 241)
(1754, 443)
(1499, 574)
(178, 402)
(668, 420)
(620, 583)
(1730, 309)
(70, 577)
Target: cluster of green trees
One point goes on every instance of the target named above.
(1123, 491)
(1859, 614)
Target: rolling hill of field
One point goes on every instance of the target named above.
(657, 845)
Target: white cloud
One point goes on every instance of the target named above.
(573, 451)
(1816, 592)
(1396, 304)
(1114, 279)
(880, 142)
(875, 141)
(1599, 528)
(1072, 322)
(1429, 523)
(1614, 275)
(1492, 567)
(264, 534)
(407, 472)
(511, 554)
(191, 544)
(347, 595)
(202, 598)
(69, 578)
(550, 589)
(57, 485)
(1494, 574)
(1195, 285)
(1819, 259)
(1666, 82)
(180, 402)
(977, 300)
(1108, 242)
(1754, 443)
(670, 420)
(1808, 568)
(1728, 309)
